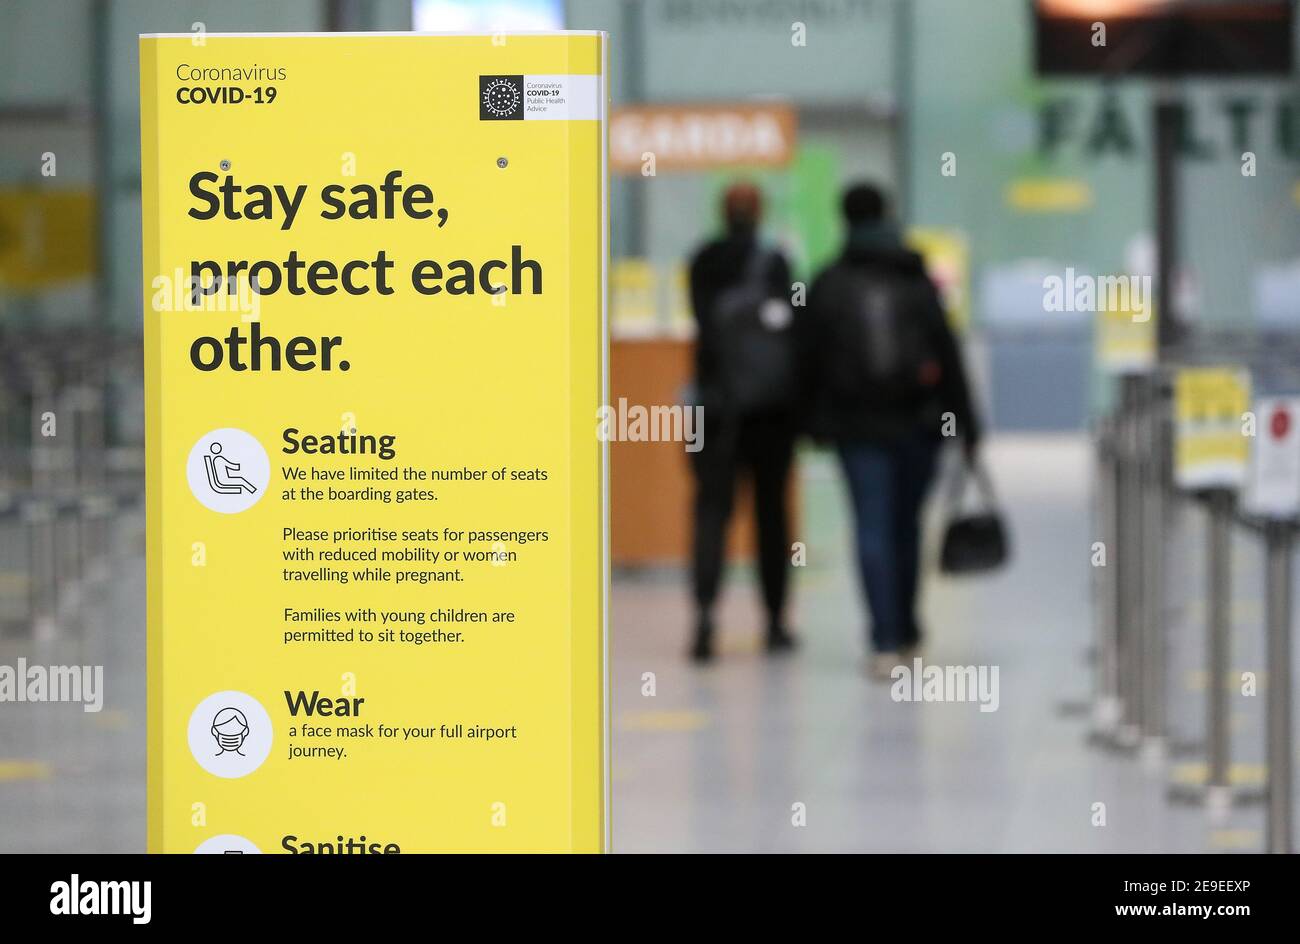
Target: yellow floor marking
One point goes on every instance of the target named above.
(23, 770)
(12, 583)
(1236, 839)
(665, 721)
(1244, 611)
(1197, 678)
(113, 720)
(1239, 775)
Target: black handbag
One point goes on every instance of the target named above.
(973, 542)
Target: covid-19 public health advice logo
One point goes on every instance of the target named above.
(500, 97)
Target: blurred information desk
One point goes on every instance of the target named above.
(652, 485)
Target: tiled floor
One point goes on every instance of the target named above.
(77, 783)
(719, 757)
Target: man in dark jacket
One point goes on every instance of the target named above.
(887, 386)
(740, 436)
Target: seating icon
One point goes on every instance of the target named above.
(221, 473)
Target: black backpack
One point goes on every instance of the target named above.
(882, 342)
(755, 342)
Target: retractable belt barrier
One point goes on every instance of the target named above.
(63, 487)
(1181, 433)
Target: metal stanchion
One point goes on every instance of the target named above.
(69, 560)
(1106, 706)
(1153, 618)
(1279, 543)
(1129, 570)
(1087, 706)
(1218, 650)
(15, 583)
(97, 511)
(1216, 790)
(1180, 744)
(1117, 715)
(41, 569)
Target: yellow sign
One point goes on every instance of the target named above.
(947, 260)
(1211, 447)
(1126, 339)
(46, 237)
(375, 349)
(1048, 195)
(633, 305)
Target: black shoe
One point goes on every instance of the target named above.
(702, 648)
(779, 640)
(913, 638)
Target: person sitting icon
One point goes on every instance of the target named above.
(220, 473)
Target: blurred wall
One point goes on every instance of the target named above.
(883, 89)
(834, 62)
(69, 84)
(973, 92)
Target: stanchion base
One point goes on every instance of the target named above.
(15, 629)
(1074, 708)
(1181, 749)
(45, 629)
(1217, 798)
(1121, 739)
(1155, 750)
(1107, 729)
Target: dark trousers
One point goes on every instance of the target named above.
(888, 482)
(763, 447)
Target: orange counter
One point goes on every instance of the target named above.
(651, 483)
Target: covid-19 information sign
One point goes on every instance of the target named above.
(374, 307)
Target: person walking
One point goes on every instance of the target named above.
(887, 385)
(747, 382)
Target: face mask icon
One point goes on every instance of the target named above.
(229, 728)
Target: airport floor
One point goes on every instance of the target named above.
(718, 757)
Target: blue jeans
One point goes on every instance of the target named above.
(888, 482)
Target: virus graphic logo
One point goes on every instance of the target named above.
(501, 97)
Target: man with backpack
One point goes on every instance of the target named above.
(886, 385)
(747, 381)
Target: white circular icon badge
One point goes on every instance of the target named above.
(230, 734)
(228, 470)
(227, 844)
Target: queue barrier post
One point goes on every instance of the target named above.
(1216, 789)
(1279, 545)
(1128, 564)
(1115, 725)
(1154, 520)
(39, 520)
(1106, 710)
(1218, 648)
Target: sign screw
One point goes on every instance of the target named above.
(224, 165)
(502, 162)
